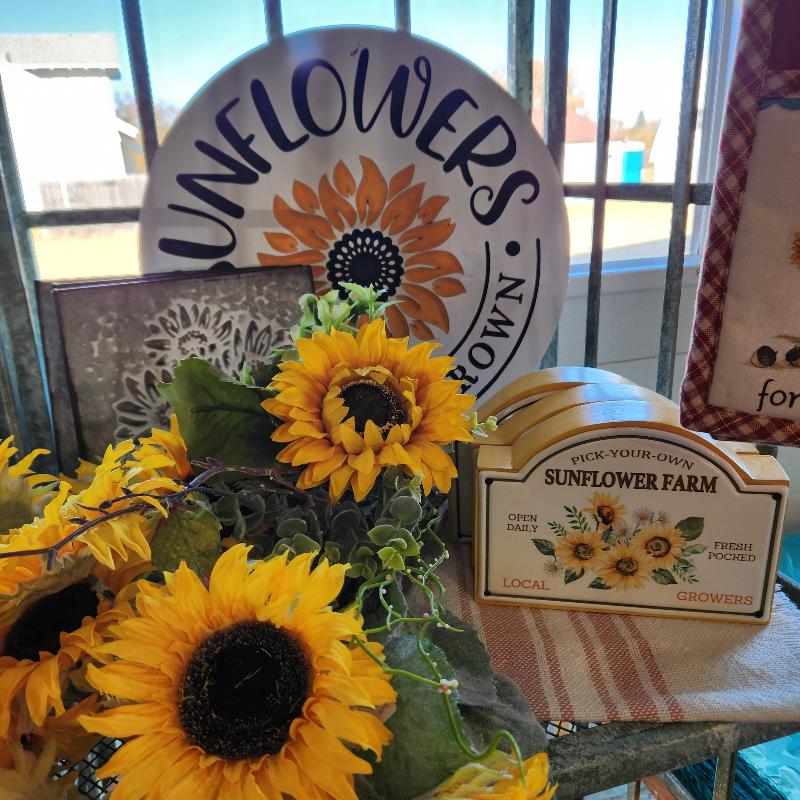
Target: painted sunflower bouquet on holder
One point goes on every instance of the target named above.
(250, 604)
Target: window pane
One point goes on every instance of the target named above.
(314, 13)
(579, 213)
(86, 251)
(476, 29)
(189, 41)
(65, 76)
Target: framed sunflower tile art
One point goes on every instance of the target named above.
(377, 158)
(109, 344)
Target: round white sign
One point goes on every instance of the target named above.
(374, 157)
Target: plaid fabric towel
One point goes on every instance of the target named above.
(593, 667)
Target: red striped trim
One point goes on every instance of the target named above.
(656, 676)
(620, 661)
(599, 684)
(509, 642)
(565, 708)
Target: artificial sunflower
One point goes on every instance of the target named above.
(605, 508)
(29, 777)
(169, 443)
(119, 481)
(116, 485)
(247, 688)
(23, 492)
(625, 566)
(42, 651)
(579, 551)
(82, 478)
(381, 233)
(663, 544)
(355, 404)
(497, 778)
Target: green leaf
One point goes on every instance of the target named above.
(381, 534)
(570, 576)
(391, 558)
(219, 417)
(663, 577)
(691, 528)
(406, 510)
(349, 521)
(423, 752)
(291, 527)
(544, 546)
(190, 535)
(597, 583)
(693, 550)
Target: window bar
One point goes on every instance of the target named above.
(274, 16)
(137, 54)
(21, 352)
(699, 193)
(520, 52)
(601, 174)
(556, 59)
(692, 65)
(79, 216)
(402, 15)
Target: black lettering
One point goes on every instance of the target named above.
(269, 118)
(300, 80)
(482, 347)
(395, 93)
(513, 182)
(459, 373)
(467, 151)
(240, 174)
(708, 484)
(184, 249)
(241, 144)
(498, 324)
(440, 120)
(504, 293)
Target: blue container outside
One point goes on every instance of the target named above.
(632, 163)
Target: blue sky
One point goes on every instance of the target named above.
(190, 40)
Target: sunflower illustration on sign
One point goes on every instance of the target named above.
(386, 233)
(624, 554)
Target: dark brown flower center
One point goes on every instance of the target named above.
(658, 546)
(606, 514)
(627, 566)
(241, 690)
(366, 399)
(583, 551)
(40, 626)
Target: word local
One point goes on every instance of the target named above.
(630, 480)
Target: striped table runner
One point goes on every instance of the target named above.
(594, 667)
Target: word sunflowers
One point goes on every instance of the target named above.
(483, 140)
